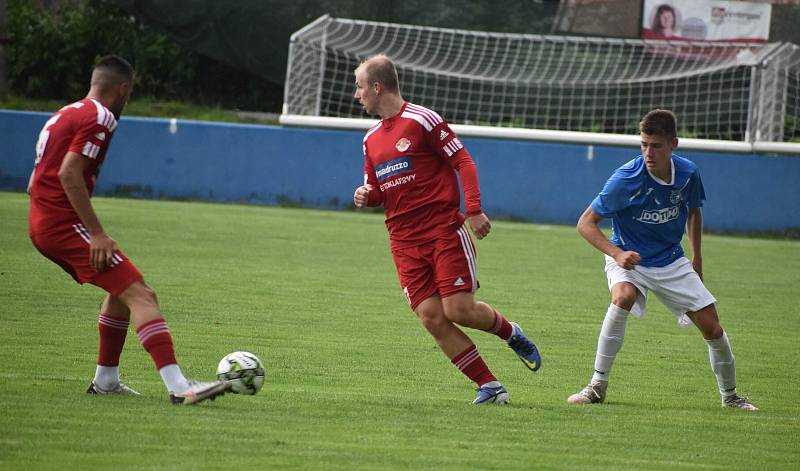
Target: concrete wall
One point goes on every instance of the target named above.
(530, 180)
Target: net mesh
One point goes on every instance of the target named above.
(718, 90)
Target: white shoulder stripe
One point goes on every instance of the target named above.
(104, 116)
(366, 136)
(372, 130)
(418, 118)
(430, 115)
(434, 116)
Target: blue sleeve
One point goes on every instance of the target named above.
(613, 198)
(696, 192)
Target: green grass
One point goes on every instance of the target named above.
(353, 380)
(148, 107)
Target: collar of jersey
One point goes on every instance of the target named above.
(660, 181)
(389, 122)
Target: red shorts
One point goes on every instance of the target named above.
(444, 266)
(69, 249)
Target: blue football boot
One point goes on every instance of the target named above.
(491, 393)
(524, 348)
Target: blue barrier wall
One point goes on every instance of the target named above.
(530, 180)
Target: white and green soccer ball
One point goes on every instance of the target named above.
(243, 371)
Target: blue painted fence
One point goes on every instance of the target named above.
(530, 180)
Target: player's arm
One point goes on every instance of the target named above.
(453, 151)
(590, 230)
(368, 194)
(462, 162)
(694, 230)
(71, 176)
(30, 180)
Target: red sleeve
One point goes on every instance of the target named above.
(89, 137)
(450, 148)
(468, 172)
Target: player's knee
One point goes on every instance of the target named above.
(432, 319)
(623, 297)
(140, 293)
(114, 307)
(458, 313)
(624, 301)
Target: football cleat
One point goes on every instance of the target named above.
(199, 392)
(121, 389)
(593, 393)
(736, 401)
(491, 395)
(524, 348)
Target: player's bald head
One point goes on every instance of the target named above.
(381, 69)
(111, 70)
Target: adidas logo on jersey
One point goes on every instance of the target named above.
(443, 134)
(459, 282)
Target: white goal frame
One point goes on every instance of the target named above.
(765, 79)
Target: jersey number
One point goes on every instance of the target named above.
(44, 135)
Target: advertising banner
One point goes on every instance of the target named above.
(706, 20)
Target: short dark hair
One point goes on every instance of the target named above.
(381, 69)
(659, 123)
(115, 65)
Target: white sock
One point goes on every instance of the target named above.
(106, 377)
(612, 333)
(723, 364)
(174, 379)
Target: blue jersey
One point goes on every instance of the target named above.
(648, 215)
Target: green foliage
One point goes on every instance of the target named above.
(53, 52)
(353, 380)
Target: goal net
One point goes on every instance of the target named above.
(743, 92)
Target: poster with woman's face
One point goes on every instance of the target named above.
(706, 20)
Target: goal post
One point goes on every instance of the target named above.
(719, 90)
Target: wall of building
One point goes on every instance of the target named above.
(529, 180)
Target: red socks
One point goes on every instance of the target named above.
(112, 338)
(472, 365)
(157, 340)
(501, 328)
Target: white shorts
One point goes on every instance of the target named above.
(677, 285)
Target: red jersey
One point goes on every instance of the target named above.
(411, 161)
(85, 127)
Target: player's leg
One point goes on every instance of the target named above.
(720, 356)
(155, 337)
(462, 308)
(682, 291)
(415, 269)
(461, 351)
(129, 298)
(112, 327)
(125, 283)
(69, 249)
(457, 280)
(153, 333)
(609, 342)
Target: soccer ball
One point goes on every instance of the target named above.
(243, 370)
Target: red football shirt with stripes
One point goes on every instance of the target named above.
(85, 127)
(411, 161)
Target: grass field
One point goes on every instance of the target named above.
(353, 380)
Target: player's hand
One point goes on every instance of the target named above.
(480, 225)
(628, 259)
(101, 249)
(697, 265)
(361, 195)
